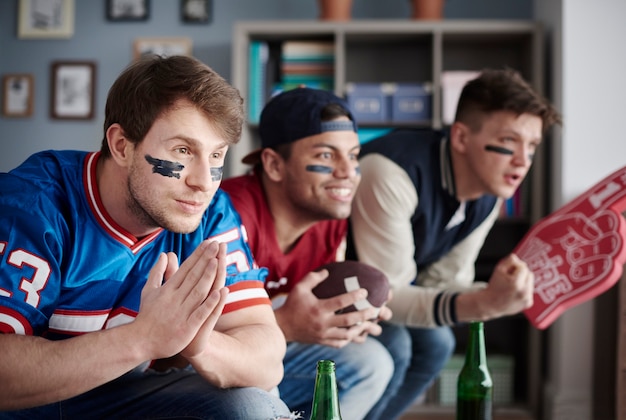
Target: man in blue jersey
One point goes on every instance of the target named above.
(425, 204)
(127, 288)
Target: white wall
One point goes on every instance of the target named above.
(594, 92)
(589, 86)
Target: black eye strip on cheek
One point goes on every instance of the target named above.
(217, 173)
(165, 167)
(498, 149)
(321, 169)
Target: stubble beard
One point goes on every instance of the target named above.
(149, 214)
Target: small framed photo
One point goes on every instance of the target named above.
(17, 95)
(127, 10)
(164, 47)
(45, 19)
(195, 11)
(73, 90)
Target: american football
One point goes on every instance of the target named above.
(346, 276)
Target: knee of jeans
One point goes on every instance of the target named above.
(446, 341)
(435, 345)
(373, 362)
(362, 360)
(442, 347)
(403, 351)
(398, 342)
(384, 366)
(257, 403)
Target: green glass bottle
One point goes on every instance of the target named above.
(474, 386)
(325, 396)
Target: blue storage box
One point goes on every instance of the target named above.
(369, 102)
(412, 102)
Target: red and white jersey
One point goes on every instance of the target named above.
(319, 245)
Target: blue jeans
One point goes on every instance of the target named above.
(179, 394)
(428, 351)
(363, 372)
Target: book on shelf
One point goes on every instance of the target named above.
(257, 80)
(513, 206)
(307, 67)
(307, 63)
(294, 64)
(308, 50)
(307, 78)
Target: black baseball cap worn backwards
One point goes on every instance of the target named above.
(295, 114)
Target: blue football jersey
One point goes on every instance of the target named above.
(67, 268)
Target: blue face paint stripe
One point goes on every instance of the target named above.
(165, 167)
(217, 173)
(319, 169)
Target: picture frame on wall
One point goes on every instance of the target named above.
(127, 10)
(73, 90)
(164, 47)
(41, 19)
(17, 95)
(195, 11)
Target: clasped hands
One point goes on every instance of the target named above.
(180, 306)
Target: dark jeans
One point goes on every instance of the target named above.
(181, 394)
(428, 352)
(363, 372)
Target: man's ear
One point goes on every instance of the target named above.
(119, 145)
(273, 164)
(459, 136)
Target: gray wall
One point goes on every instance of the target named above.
(109, 44)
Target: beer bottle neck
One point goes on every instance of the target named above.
(475, 354)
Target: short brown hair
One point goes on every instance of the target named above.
(151, 85)
(502, 90)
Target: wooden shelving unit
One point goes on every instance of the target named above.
(420, 51)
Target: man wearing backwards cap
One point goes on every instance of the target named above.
(294, 207)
